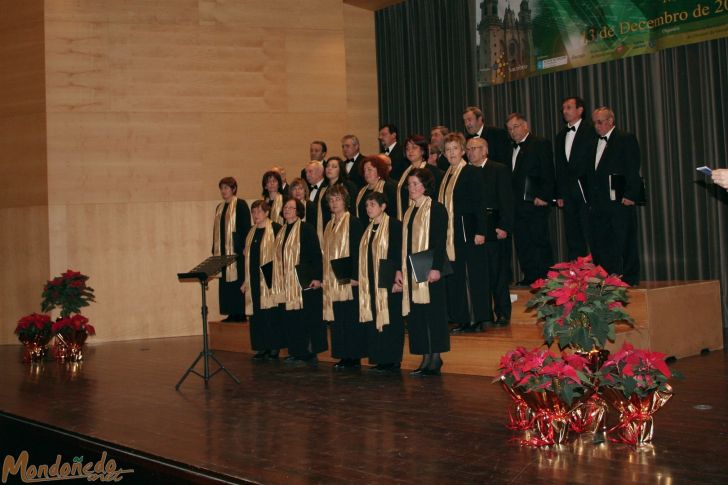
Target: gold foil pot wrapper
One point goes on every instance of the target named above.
(520, 416)
(588, 414)
(35, 349)
(550, 419)
(69, 348)
(636, 426)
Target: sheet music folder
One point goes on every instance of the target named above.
(208, 268)
(421, 264)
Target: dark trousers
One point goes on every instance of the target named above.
(576, 225)
(614, 240)
(498, 254)
(468, 288)
(533, 245)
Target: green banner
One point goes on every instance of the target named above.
(516, 39)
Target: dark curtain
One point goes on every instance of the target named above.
(424, 64)
(675, 101)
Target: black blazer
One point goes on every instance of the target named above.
(310, 249)
(498, 193)
(399, 161)
(312, 215)
(390, 194)
(535, 159)
(570, 172)
(354, 174)
(620, 156)
(437, 236)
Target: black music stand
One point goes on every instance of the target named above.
(202, 273)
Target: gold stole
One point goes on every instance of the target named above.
(320, 215)
(336, 245)
(402, 182)
(286, 288)
(420, 242)
(275, 209)
(267, 253)
(445, 197)
(378, 187)
(380, 247)
(231, 271)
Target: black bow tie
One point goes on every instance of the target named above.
(386, 151)
(351, 160)
(605, 138)
(312, 187)
(573, 128)
(516, 145)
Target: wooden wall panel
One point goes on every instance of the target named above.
(24, 256)
(133, 252)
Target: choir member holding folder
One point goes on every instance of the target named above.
(297, 286)
(424, 230)
(341, 266)
(266, 332)
(380, 256)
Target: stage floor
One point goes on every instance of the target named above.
(286, 425)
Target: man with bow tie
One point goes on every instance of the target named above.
(573, 155)
(389, 141)
(614, 188)
(352, 158)
(532, 180)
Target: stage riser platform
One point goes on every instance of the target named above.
(679, 319)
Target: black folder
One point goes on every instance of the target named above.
(421, 264)
(386, 274)
(342, 269)
(530, 188)
(267, 270)
(304, 274)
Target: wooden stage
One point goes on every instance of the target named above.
(286, 425)
(679, 319)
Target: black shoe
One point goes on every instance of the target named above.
(430, 372)
(417, 372)
(228, 319)
(462, 328)
(502, 321)
(290, 358)
(260, 356)
(341, 364)
(273, 354)
(312, 361)
(353, 364)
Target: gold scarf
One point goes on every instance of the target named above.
(286, 288)
(275, 209)
(336, 245)
(402, 182)
(267, 253)
(445, 197)
(380, 247)
(378, 187)
(320, 215)
(420, 242)
(231, 271)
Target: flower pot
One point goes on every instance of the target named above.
(69, 346)
(520, 416)
(35, 348)
(550, 418)
(636, 426)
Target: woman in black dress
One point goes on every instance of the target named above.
(298, 256)
(461, 193)
(272, 185)
(298, 189)
(375, 170)
(416, 150)
(266, 332)
(232, 222)
(424, 227)
(380, 256)
(341, 302)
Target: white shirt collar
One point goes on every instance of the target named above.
(577, 124)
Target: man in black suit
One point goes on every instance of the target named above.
(498, 200)
(614, 187)
(352, 157)
(573, 154)
(497, 138)
(437, 137)
(389, 141)
(316, 181)
(532, 180)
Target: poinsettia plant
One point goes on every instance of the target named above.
(635, 371)
(68, 291)
(77, 323)
(579, 304)
(536, 370)
(34, 325)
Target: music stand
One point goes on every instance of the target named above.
(202, 273)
